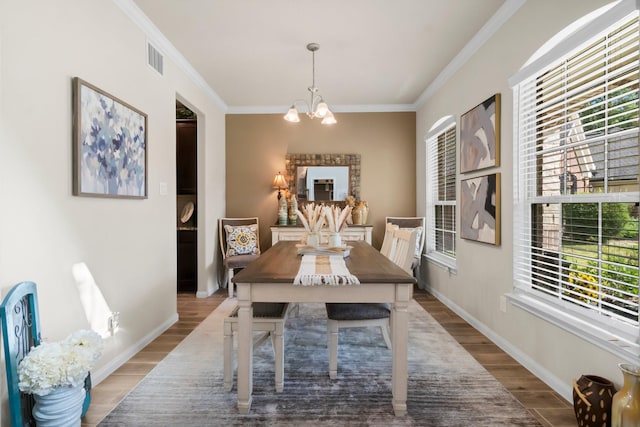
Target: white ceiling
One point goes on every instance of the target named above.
(375, 55)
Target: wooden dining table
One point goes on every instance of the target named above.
(270, 278)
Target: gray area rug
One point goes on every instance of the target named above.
(447, 386)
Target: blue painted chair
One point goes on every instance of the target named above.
(20, 332)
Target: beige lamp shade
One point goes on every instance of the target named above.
(279, 182)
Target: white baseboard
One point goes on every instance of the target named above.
(100, 374)
(565, 390)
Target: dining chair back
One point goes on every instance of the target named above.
(239, 243)
(411, 222)
(389, 241)
(405, 248)
(20, 333)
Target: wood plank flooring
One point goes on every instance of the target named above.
(545, 404)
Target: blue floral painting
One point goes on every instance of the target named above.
(110, 145)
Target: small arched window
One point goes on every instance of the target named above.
(441, 192)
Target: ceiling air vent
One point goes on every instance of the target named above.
(155, 59)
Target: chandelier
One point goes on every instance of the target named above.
(317, 108)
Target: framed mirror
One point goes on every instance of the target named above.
(323, 177)
(322, 183)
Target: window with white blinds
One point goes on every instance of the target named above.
(441, 192)
(576, 199)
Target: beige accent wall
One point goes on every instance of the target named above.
(256, 145)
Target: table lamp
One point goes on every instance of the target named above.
(279, 182)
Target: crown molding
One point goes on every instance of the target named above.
(159, 41)
(508, 8)
(282, 109)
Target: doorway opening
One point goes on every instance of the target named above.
(187, 198)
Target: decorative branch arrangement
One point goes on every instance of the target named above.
(312, 217)
(336, 217)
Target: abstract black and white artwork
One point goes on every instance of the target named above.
(480, 136)
(480, 209)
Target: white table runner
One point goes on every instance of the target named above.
(324, 270)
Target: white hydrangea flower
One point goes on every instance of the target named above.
(59, 364)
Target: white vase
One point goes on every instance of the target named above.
(335, 241)
(313, 239)
(60, 408)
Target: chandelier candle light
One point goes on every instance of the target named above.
(317, 108)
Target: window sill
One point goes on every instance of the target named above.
(442, 261)
(608, 340)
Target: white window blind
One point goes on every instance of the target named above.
(441, 198)
(576, 201)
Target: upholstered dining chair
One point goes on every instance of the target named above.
(239, 243)
(20, 332)
(350, 315)
(268, 319)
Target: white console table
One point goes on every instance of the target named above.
(296, 232)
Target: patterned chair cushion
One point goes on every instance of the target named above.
(242, 240)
